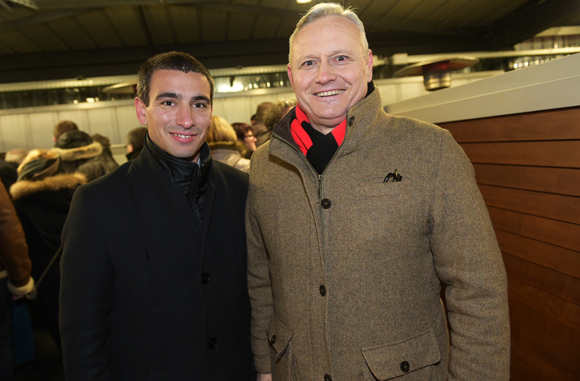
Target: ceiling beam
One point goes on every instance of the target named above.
(40, 18)
(213, 55)
(532, 18)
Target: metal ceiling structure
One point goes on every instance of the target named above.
(55, 39)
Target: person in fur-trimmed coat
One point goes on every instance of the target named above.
(42, 197)
(79, 153)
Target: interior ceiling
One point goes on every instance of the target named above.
(56, 39)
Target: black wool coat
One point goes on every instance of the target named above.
(140, 298)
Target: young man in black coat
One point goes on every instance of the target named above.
(154, 261)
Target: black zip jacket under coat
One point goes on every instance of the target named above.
(141, 297)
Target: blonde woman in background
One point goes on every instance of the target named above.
(224, 144)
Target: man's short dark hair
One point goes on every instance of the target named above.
(136, 137)
(168, 61)
(64, 126)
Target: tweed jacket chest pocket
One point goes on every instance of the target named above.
(375, 187)
(411, 359)
(282, 357)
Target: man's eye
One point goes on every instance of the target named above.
(341, 58)
(308, 63)
(167, 103)
(199, 105)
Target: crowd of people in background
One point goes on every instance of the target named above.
(37, 189)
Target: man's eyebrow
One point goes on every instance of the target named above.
(200, 98)
(168, 95)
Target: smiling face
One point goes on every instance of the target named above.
(179, 112)
(329, 71)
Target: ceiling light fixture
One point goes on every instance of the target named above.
(303, 1)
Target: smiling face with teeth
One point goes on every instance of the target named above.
(329, 71)
(179, 112)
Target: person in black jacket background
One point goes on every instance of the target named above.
(154, 254)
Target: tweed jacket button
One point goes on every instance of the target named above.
(205, 278)
(273, 340)
(327, 377)
(322, 290)
(212, 343)
(325, 203)
(351, 121)
(405, 366)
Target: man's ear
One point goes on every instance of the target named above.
(141, 111)
(289, 70)
(370, 66)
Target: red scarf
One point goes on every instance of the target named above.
(302, 138)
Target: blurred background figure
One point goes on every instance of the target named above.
(224, 144)
(15, 156)
(14, 277)
(135, 142)
(277, 111)
(106, 155)
(260, 130)
(42, 197)
(246, 136)
(79, 153)
(8, 173)
(62, 127)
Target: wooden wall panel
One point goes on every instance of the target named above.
(561, 285)
(542, 324)
(536, 367)
(527, 167)
(543, 154)
(558, 207)
(561, 310)
(549, 352)
(557, 233)
(551, 180)
(545, 125)
(544, 254)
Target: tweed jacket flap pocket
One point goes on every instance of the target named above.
(398, 359)
(279, 337)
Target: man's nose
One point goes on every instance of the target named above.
(326, 73)
(184, 117)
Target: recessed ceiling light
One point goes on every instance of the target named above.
(303, 1)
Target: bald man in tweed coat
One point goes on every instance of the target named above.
(354, 219)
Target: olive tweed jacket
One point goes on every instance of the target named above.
(344, 269)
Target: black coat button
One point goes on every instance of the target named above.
(327, 377)
(273, 340)
(351, 121)
(212, 343)
(405, 366)
(322, 290)
(205, 278)
(325, 203)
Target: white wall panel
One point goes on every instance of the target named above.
(233, 109)
(126, 121)
(32, 128)
(103, 121)
(15, 131)
(41, 129)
